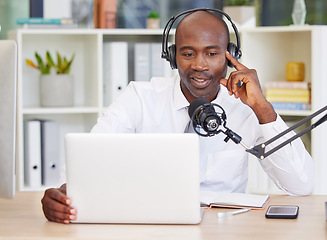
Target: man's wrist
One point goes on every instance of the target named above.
(265, 112)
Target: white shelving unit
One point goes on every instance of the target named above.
(266, 49)
(87, 70)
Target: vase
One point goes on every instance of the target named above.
(57, 90)
(299, 12)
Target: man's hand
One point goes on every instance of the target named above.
(244, 84)
(56, 205)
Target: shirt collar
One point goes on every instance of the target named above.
(179, 98)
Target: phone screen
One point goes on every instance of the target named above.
(278, 211)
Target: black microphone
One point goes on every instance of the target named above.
(202, 113)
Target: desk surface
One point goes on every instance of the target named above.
(22, 218)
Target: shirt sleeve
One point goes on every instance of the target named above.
(291, 167)
(117, 118)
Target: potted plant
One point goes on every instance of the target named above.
(153, 20)
(242, 12)
(56, 82)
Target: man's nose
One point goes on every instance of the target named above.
(200, 63)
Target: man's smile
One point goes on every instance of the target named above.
(200, 82)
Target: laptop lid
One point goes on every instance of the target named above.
(134, 178)
(8, 73)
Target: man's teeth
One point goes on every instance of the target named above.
(200, 80)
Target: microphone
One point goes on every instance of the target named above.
(204, 116)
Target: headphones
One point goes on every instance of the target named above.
(169, 53)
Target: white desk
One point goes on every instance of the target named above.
(22, 218)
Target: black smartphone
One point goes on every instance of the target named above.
(282, 211)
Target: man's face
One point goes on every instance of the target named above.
(200, 56)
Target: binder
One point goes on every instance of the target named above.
(115, 70)
(142, 62)
(159, 66)
(50, 163)
(32, 153)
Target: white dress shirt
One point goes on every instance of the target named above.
(159, 106)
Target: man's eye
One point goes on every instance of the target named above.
(212, 54)
(187, 54)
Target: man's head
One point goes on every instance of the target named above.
(201, 41)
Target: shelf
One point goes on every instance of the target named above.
(266, 49)
(72, 110)
(301, 113)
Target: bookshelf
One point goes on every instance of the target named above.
(266, 49)
(87, 70)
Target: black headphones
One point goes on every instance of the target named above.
(169, 53)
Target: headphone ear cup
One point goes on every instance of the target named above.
(233, 50)
(172, 56)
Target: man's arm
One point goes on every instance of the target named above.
(57, 206)
(291, 167)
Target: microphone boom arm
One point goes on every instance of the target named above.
(259, 150)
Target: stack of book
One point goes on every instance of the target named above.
(39, 22)
(284, 95)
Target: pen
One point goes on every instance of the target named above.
(233, 212)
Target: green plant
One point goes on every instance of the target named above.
(153, 14)
(237, 3)
(61, 67)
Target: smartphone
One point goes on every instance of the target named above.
(282, 211)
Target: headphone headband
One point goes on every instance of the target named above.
(165, 51)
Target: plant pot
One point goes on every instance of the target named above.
(242, 16)
(57, 90)
(153, 23)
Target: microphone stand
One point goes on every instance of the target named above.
(259, 150)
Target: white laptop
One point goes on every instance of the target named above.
(134, 178)
(8, 77)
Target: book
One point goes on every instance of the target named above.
(32, 153)
(105, 13)
(287, 92)
(290, 106)
(233, 200)
(291, 99)
(38, 20)
(51, 26)
(36, 8)
(57, 9)
(115, 69)
(286, 85)
(288, 95)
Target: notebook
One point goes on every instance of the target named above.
(134, 178)
(234, 200)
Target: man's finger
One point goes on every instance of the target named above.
(238, 66)
(223, 81)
